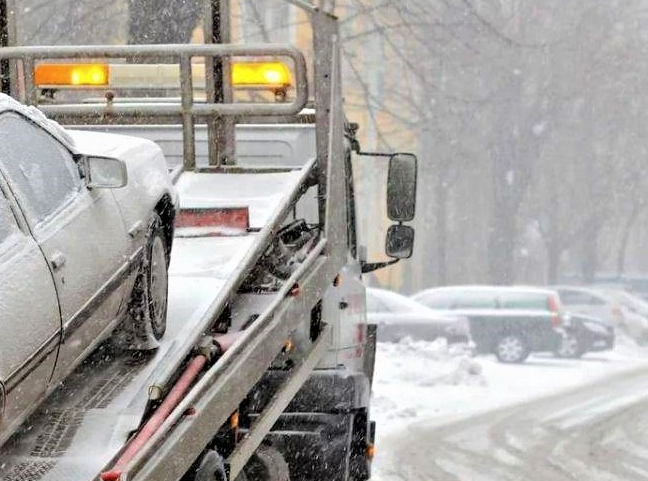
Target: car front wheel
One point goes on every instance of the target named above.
(512, 349)
(148, 305)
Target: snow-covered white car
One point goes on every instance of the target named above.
(86, 226)
(635, 318)
(398, 317)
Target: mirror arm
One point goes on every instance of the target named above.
(373, 154)
(366, 267)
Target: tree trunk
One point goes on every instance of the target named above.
(553, 260)
(625, 238)
(589, 259)
(441, 218)
(162, 21)
(501, 248)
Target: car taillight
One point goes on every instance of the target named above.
(554, 307)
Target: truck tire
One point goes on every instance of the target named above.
(267, 464)
(512, 349)
(211, 468)
(149, 300)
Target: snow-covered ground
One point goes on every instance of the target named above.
(433, 383)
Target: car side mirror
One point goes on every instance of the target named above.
(401, 187)
(399, 242)
(104, 172)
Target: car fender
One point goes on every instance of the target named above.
(148, 176)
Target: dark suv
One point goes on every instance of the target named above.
(510, 322)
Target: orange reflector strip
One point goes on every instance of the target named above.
(371, 451)
(71, 74)
(230, 217)
(234, 420)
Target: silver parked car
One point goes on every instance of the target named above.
(398, 317)
(86, 225)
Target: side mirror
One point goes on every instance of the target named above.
(401, 187)
(399, 243)
(105, 172)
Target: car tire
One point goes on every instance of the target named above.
(149, 299)
(512, 349)
(570, 348)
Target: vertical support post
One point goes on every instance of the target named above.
(329, 127)
(5, 75)
(188, 127)
(31, 93)
(322, 51)
(220, 130)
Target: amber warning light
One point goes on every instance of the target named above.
(71, 74)
(244, 75)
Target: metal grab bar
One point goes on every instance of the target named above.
(186, 111)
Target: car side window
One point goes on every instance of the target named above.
(41, 171)
(475, 300)
(596, 301)
(575, 297)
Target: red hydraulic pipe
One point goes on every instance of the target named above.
(161, 413)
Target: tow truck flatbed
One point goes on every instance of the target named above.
(89, 418)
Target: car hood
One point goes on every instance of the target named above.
(110, 145)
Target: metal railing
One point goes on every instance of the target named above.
(187, 112)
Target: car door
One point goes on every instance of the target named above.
(79, 230)
(30, 323)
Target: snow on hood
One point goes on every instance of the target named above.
(109, 145)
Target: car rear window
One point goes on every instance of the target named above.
(524, 300)
(577, 297)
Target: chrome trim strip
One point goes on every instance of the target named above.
(33, 361)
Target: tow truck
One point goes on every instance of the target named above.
(265, 371)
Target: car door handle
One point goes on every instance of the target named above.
(57, 260)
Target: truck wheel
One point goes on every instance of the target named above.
(148, 304)
(267, 464)
(512, 349)
(570, 348)
(211, 468)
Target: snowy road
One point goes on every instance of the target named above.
(598, 432)
(548, 420)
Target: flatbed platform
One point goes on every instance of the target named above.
(87, 420)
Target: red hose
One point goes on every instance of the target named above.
(155, 421)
